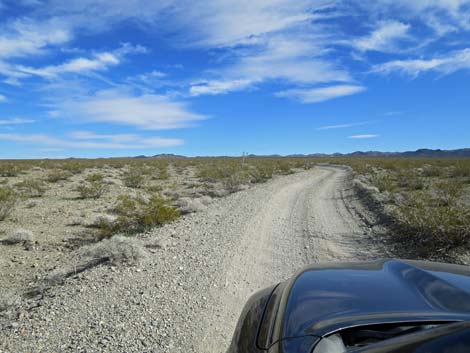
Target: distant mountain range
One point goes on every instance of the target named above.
(424, 152)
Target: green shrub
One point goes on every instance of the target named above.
(8, 199)
(410, 180)
(461, 169)
(9, 169)
(93, 188)
(134, 178)
(430, 170)
(384, 182)
(136, 214)
(31, 187)
(56, 175)
(163, 172)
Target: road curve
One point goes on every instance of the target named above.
(187, 295)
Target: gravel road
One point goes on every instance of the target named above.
(187, 294)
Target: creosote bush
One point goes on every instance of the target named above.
(134, 213)
(56, 175)
(31, 187)
(93, 188)
(134, 177)
(8, 199)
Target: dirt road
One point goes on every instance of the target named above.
(186, 296)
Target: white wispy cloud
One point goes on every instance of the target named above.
(446, 64)
(384, 38)
(287, 59)
(315, 95)
(3, 99)
(147, 111)
(28, 37)
(343, 126)
(110, 142)
(365, 136)
(218, 87)
(16, 121)
(98, 62)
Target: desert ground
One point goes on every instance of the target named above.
(163, 259)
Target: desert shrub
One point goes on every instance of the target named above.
(188, 205)
(74, 167)
(262, 173)
(234, 182)
(430, 170)
(154, 188)
(446, 193)
(432, 228)
(93, 188)
(409, 180)
(461, 169)
(31, 187)
(163, 171)
(19, 236)
(9, 169)
(8, 199)
(284, 168)
(384, 182)
(134, 214)
(56, 175)
(116, 250)
(134, 178)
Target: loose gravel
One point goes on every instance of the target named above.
(187, 293)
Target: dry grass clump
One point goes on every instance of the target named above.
(19, 236)
(8, 198)
(135, 213)
(188, 205)
(115, 250)
(93, 188)
(433, 225)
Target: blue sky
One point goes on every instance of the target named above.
(121, 78)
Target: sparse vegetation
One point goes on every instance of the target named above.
(7, 201)
(426, 200)
(428, 207)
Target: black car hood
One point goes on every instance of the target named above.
(324, 298)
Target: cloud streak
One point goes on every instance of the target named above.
(364, 136)
(316, 95)
(343, 126)
(16, 121)
(109, 142)
(454, 61)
